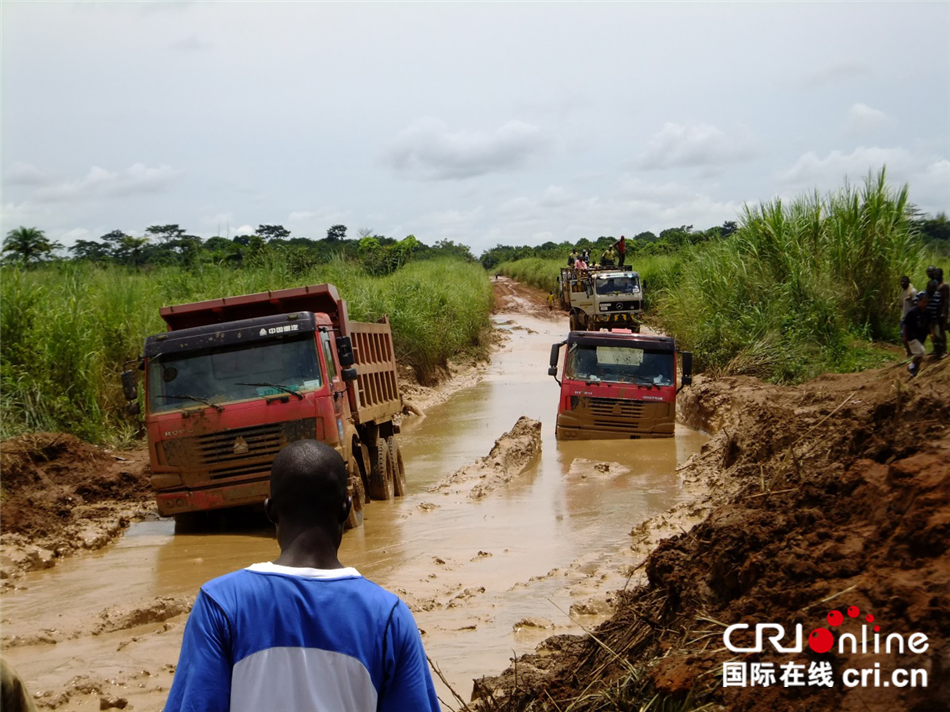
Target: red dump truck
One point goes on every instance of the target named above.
(235, 379)
(618, 385)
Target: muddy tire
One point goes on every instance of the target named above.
(574, 325)
(399, 467)
(381, 480)
(356, 491)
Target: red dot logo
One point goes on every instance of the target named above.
(870, 618)
(877, 629)
(821, 640)
(853, 611)
(835, 618)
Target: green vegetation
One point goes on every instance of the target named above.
(66, 329)
(800, 288)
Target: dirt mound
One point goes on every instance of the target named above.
(511, 455)
(60, 494)
(838, 499)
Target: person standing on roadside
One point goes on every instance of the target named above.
(915, 330)
(943, 312)
(621, 246)
(302, 632)
(908, 294)
(934, 307)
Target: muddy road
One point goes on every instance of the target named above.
(486, 577)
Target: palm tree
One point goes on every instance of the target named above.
(28, 244)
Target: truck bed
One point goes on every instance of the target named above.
(376, 390)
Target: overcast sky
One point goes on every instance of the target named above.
(487, 123)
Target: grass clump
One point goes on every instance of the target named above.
(801, 288)
(67, 329)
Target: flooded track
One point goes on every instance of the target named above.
(557, 536)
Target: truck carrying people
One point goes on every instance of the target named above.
(602, 298)
(618, 385)
(235, 379)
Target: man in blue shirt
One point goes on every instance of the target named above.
(302, 632)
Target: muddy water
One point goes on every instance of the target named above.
(555, 537)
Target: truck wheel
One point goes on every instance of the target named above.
(355, 490)
(399, 467)
(574, 326)
(381, 484)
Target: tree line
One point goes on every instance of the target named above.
(172, 245)
(931, 230)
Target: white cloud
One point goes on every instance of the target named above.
(243, 230)
(25, 174)
(101, 183)
(839, 73)
(861, 120)
(429, 150)
(77, 233)
(927, 174)
(697, 145)
(191, 44)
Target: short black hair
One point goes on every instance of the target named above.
(308, 480)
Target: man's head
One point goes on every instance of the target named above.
(308, 487)
(938, 275)
(931, 287)
(905, 282)
(930, 271)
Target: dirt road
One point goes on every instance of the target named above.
(489, 565)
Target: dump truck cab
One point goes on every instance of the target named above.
(618, 385)
(235, 379)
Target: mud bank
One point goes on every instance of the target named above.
(511, 455)
(833, 496)
(61, 495)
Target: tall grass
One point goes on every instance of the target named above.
(800, 286)
(66, 330)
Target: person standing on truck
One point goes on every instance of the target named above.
(607, 259)
(302, 632)
(572, 258)
(621, 246)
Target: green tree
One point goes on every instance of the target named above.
(165, 233)
(27, 245)
(90, 251)
(274, 232)
(337, 232)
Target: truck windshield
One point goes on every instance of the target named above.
(233, 373)
(617, 285)
(619, 364)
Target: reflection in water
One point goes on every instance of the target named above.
(471, 570)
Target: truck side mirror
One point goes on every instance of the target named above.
(344, 350)
(687, 357)
(130, 386)
(555, 352)
(349, 374)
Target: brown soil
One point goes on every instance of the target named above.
(514, 297)
(509, 457)
(60, 494)
(832, 494)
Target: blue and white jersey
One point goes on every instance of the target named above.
(275, 638)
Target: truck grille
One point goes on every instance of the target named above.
(606, 411)
(236, 452)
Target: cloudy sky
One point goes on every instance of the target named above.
(483, 123)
